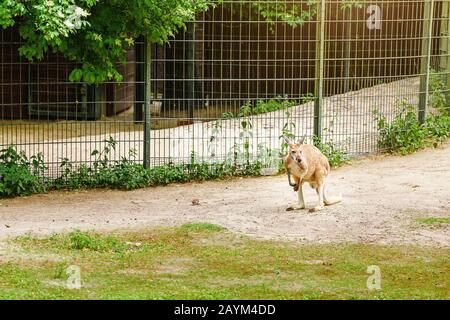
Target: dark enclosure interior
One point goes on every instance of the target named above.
(41, 89)
(232, 54)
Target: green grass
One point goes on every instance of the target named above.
(201, 227)
(82, 241)
(433, 221)
(204, 261)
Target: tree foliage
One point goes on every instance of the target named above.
(294, 13)
(98, 33)
(94, 33)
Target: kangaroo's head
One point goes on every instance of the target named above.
(295, 151)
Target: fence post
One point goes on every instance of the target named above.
(190, 68)
(445, 49)
(139, 49)
(147, 96)
(348, 51)
(425, 60)
(319, 68)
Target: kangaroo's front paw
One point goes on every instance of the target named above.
(296, 188)
(316, 209)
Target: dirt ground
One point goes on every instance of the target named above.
(383, 198)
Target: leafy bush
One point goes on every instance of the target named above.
(405, 134)
(437, 128)
(437, 89)
(126, 174)
(123, 174)
(20, 176)
(336, 156)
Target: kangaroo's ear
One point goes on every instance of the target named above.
(302, 140)
(287, 140)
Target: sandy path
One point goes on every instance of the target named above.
(383, 197)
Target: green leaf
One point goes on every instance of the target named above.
(76, 75)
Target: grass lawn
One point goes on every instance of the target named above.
(204, 261)
(434, 221)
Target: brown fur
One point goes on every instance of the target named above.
(307, 164)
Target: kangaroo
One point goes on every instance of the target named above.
(307, 164)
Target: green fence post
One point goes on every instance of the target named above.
(348, 51)
(445, 49)
(147, 96)
(190, 68)
(139, 49)
(319, 68)
(425, 60)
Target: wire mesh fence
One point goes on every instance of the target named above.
(237, 78)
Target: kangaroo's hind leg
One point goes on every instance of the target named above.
(320, 193)
(301, 199)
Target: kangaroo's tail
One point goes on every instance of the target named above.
(331, 200)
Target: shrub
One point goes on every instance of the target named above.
(438, 128)
(437, 96)
(20, 176)
(405, 134)
(126, 174)
(336, 156)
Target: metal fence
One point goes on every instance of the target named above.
(234, 81)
